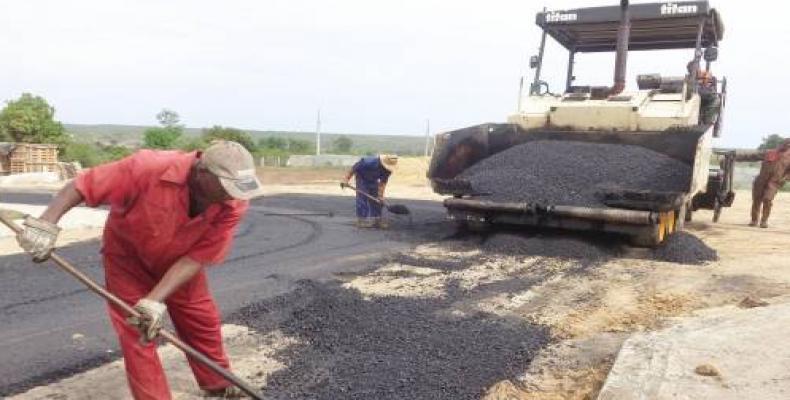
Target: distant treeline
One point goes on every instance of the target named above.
(293, 142)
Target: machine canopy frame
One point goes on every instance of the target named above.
(654, 26)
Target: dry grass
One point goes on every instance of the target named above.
(411, 172)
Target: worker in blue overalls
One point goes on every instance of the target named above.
(371, 175)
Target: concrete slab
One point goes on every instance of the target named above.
(41, 180)
(728, 354)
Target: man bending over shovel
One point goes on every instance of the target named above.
(171, 214)
(371, 175)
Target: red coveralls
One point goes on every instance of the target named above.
(147, 231)
(774, 171)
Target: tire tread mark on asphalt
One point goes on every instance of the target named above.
(317, 231)
(42, 299)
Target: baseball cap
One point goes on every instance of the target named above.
(389, 161)
(235, 168)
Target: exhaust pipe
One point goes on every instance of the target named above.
(621, 58)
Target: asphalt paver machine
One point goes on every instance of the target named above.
(678, 116)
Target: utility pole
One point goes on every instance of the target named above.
(427, 137)
(318, 134)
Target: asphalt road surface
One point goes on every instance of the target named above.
(51, 327)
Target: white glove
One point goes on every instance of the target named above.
(151, 319)
(38, 238)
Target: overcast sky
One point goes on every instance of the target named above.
(370, 66)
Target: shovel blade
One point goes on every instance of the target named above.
(399, 209)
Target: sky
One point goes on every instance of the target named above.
(370, 66)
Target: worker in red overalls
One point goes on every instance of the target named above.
(774, 172)
(171, 215)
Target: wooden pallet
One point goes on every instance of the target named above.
(31, 157)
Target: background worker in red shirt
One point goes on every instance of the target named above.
(171, 214)
(774, 172)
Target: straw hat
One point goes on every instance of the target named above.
(389, 161)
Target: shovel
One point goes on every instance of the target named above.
(329, 214)
(167, 335)
(399, 209)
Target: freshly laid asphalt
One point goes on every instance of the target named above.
(52, 327)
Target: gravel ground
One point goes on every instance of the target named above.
(685, 248)
(574, 173)
(388, 347)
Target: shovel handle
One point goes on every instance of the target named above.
(167, 335)
(376, 199)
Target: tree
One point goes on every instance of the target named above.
(217, 132)
(30, 119)
(166, 136)
(342, 145)
(771, 142)
(274, 143)
(298, 146)
(168, 118)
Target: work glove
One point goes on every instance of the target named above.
(151, 319)
(38, 238)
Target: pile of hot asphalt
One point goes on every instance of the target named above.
(549, 172)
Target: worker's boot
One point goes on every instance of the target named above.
(756, 205)
(364, 223)
(230, 392)
(766, 213)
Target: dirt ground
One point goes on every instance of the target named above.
(585, 307)
(408, 182)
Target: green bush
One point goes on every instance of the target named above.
(217, 132)
(192, 144)
(161, 138)
(91, 155)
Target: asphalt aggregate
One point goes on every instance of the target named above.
(390, 347)
(685, 248)
(566, 245)
(548, 172)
